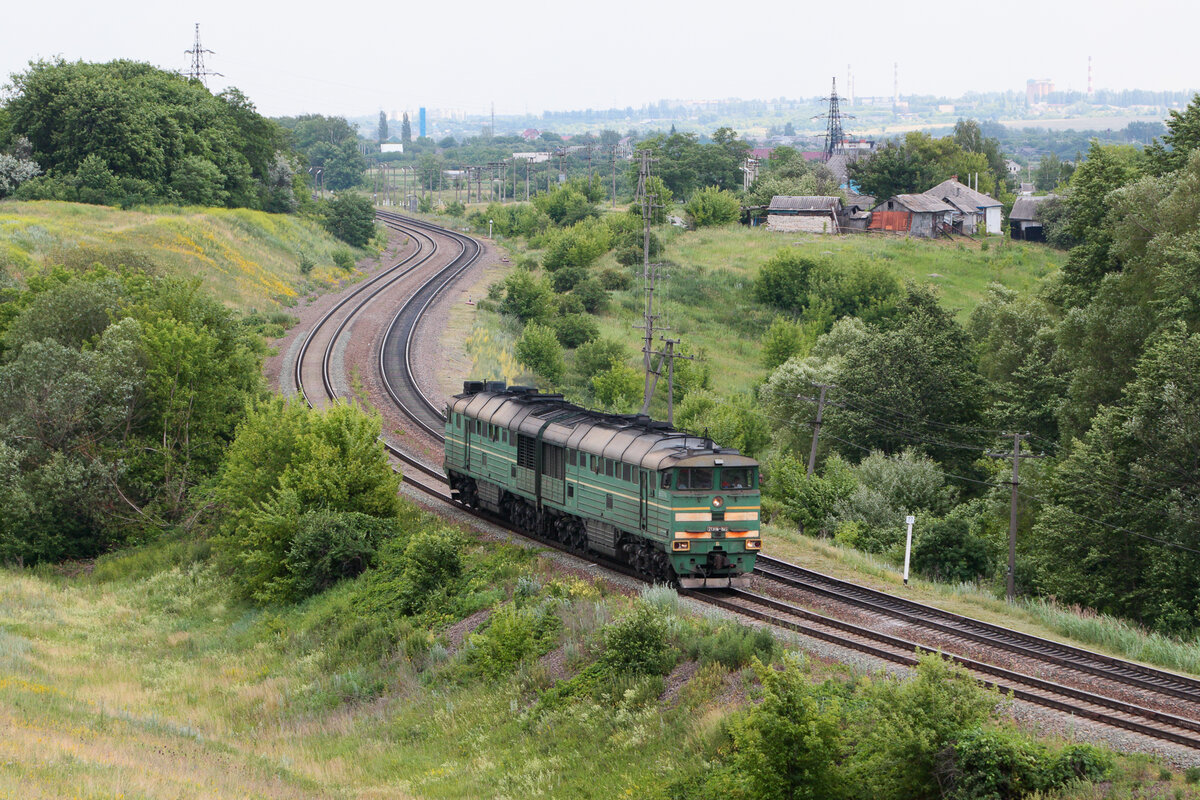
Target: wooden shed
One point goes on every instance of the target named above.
(808, 214)
(1023, 218)
(972, 210)
(914, 214)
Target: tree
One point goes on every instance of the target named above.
(145, 127)
(948, 551)
(712, 206)
(908, 372)
(381, 133)
(351, 218)
(789, 745)
(783, 281)
(539, 349)
(405, 129)
(782, 340)
(527, 298)
(286, 462)
(597, 355)
(619, 387)
(1172, 152)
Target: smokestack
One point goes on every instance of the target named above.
(895, 84)
(849, 86)
(1091, 89)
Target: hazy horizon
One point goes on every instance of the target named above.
(527, 61)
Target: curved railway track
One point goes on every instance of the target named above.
(399, 379)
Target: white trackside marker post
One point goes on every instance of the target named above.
(909, 520)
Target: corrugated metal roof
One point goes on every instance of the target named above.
(1025, 208)
(920, 203)
(782, 202)
(961, 204)
(964, 192)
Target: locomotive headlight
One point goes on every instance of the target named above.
(718, 502)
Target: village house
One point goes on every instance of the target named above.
(915, 214)
(808, 214)
(1023, 220)
(972, 209)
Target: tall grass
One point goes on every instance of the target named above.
(247, 259)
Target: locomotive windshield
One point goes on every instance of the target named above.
(737, 478)
(695, 478)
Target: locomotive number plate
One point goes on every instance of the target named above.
(718, 530)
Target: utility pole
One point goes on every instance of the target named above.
(614, 176)
(1016, 457)
(812, 454)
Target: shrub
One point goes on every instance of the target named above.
(455, 209)
(575, 330)
(997, 764)
(349, 217)
(618, 388)
(526, 297)
(712, 206)
(592, 295)
(512, 635)
(809, 501)
(734, 646)
(565, 279)
(597, 355)
(305, 263)
(783, 340)
(783, 281)
(329, 546)
(1081, 762)
(539, 349)
(577, 246)
(1192, 775)
(636, 643)
(343, 258)
(947, 551)
(428, 564)
(615, 279)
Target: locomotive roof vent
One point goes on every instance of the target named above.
(495, 386)
(472, 387)
(519, 389)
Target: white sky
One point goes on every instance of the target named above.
(358, 58)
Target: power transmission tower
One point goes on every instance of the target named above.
(834, 135)
(1016, 457)
(198, 71)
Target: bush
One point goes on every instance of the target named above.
(997, 764)
(349, 217)
(567, 278)
(455, 209)
(592, 295)
(598, 355)
(808, 501)
(615, 279)
(577, 246)
(512, 635)
(734, 646)
(430, 563)
(305, 263)
(343, 258)
(618, 388)
(947, 551)
(1082, 762)
(783, 340)
(538, 349)
(574, 330)
(783, 282)
(636, 643)
(712, 206)
(526, 297)
(329, 546)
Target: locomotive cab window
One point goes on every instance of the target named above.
(695, 479)
(666, 480)
(737, 478)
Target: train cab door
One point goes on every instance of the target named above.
(468, 429)
(643, 491)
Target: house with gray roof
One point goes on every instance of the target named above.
(914, 214)
(972, 209)
(804, 213)
(1023, 221)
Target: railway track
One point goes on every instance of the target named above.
(396, 368)
(1026, 645)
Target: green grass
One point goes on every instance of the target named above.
(246, 259)
(1080, 627)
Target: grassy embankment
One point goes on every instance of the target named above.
(246, 259)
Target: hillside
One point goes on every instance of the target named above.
(246, 259)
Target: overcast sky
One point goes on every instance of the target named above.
(358, 58)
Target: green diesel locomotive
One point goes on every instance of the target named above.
(671, 504)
